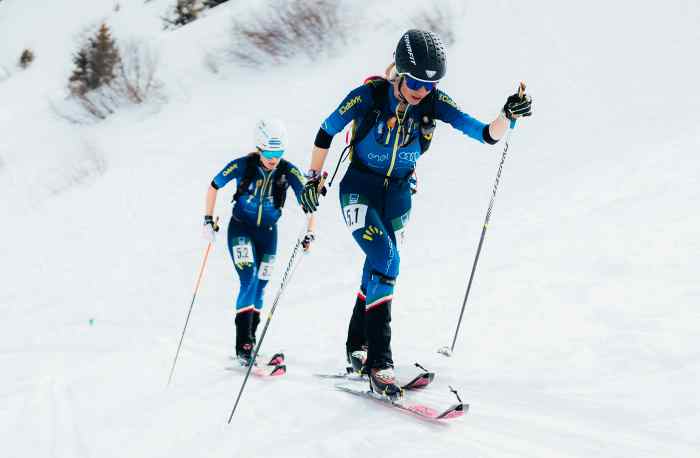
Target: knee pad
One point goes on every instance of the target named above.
(391, 281)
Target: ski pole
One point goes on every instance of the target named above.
(288, 273)
(447, 351)
(196, 288)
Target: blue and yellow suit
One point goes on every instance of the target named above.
(375, 200)
(252, 236)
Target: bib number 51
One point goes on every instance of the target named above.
(355, 215)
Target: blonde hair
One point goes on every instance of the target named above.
(390, 72)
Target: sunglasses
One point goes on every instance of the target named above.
(271, 154)
(414, 84)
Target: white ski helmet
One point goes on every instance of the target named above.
(270, 135)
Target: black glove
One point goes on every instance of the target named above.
(208, 219)
(309, 196)
(308, 239)
(518, 107)
(210, 229)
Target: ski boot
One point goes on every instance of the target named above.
(245, 354)
(383, 383)
(358, 360)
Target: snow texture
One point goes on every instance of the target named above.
(580, 338)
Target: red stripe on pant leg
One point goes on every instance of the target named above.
(378, 302)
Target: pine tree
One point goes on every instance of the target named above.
(78, 81)
(103, 58)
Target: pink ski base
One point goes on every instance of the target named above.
(421, 382)
(423, 410)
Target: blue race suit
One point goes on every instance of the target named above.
(375, 200)
(252, 234)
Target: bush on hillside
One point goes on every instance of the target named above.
(96, 63)
(287, 29)
(185, 11)
(26, 58)
(107, 77)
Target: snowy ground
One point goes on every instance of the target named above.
(580, 338)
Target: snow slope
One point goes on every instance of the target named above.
(580, 337)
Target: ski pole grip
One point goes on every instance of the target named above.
(322, 184)
(521, 94)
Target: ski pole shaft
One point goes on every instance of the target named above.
(189, 312)
(288, 273)
(521, 92)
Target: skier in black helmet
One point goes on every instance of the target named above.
(394, 119)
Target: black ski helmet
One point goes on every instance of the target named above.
(421, 55)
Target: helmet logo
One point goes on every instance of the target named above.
(430, 73)
(407, 40)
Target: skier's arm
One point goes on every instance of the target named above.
(357, 102)
(231, 171)
(517, 105)
(447, 111)
(318, 158)
(210, 201)
(498, 127)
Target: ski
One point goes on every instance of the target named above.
(421, 380)
(274, 360)
(275, 367)
(421, 410)
(261, 371)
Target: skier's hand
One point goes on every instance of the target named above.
(517, 106)
(308, 239)
(209, 229)
(309, 196)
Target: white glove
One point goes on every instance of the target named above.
(308, 239)
(209, 229)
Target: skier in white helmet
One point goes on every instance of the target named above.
(262, 179)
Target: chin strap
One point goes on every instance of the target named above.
(401, 97)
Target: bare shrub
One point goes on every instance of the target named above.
(137, 73)
(441, 19)
(287, 29)
(26, 58)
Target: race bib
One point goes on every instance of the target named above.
(399, 227)
(355, 215)
(243, 253)
(266, 267)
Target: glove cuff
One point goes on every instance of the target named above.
(313, 174)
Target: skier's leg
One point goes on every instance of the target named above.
(357, 338)
(242, 252)
(266, 246)
(382, 262)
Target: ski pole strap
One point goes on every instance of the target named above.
(343, 155)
